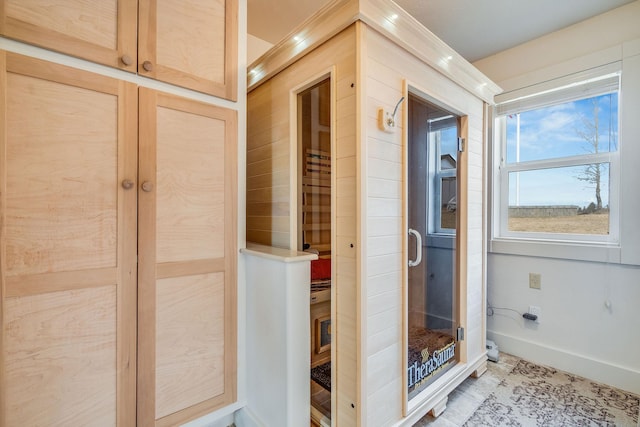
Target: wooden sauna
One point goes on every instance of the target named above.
(406, 128)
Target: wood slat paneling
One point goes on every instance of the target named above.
(386, 69)
(268, 121)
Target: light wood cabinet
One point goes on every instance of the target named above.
(187, 244)
(102, 31)
(68, 246)
(117, 248)
(189, 43)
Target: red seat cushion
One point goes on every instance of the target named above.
(321, 269)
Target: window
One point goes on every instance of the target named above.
(443, 158)
(556, 160)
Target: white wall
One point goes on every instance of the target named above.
(577, 331)
(256, 47)
(278, 337)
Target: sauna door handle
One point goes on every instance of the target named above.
(418, 237)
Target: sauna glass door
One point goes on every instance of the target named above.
(431, 243)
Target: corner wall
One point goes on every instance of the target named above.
(577, 331)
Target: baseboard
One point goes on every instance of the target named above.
(245, 418)
(596, 370)
(223, 417)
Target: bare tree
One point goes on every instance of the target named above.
(590, 132)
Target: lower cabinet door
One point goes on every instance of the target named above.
(187, 258)
(67, 246)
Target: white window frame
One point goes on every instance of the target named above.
(586, 84)
(435, 182)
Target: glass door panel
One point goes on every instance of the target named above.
(432, 221)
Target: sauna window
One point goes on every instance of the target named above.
(315, 169)
(314, 223)
(443, 135)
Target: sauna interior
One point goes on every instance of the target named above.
(314, 225)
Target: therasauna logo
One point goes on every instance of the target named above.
(420, 372)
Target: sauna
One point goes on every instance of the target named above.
(366, 143)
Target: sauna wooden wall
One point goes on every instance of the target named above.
(271, 203)
(386, 67)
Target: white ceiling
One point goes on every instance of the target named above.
(474, 28)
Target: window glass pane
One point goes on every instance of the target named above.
(570, 129)
(449, 203)
(571, 200)
(449, 148)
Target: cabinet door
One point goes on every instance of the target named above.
(102, 31)
(68, 246)
(190, 43)
(187, 259)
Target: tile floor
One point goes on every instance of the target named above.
(465, 399)
(468, 397)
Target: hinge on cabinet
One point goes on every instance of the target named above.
(460, 144)
(460, 334)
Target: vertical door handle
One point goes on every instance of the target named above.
(418, 237)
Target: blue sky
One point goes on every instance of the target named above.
(555, 132)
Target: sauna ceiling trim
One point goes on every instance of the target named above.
(385, 17)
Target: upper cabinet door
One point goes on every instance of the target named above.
(190, 43)
(102, 31)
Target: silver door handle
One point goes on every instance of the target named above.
(418, 237)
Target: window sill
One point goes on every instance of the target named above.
(578, 251)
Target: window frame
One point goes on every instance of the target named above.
(436, 177)
(583, 85)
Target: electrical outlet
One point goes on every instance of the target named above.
(535, 280)
(534, 309)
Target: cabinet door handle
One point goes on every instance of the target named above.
(127, 184)
(147, 186)
(147, 65)
(126, 60)
(418, 237)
